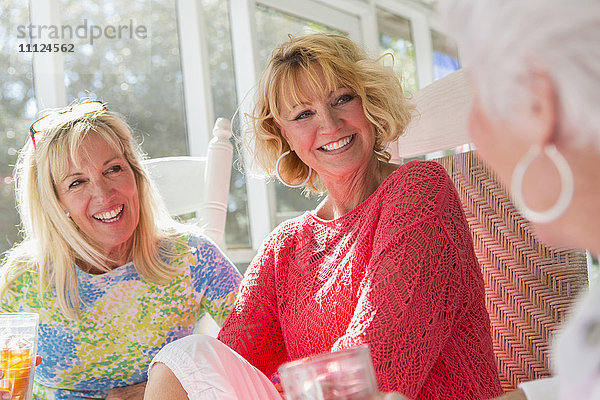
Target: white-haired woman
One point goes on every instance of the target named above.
(535, 65)
(111, 276)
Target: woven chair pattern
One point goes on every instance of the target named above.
(529, 286)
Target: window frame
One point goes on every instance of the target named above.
(49, 70)
(50, 91)
(261, 208)
(262, 214)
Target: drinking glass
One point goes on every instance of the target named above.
(18, 341)
(342, 375)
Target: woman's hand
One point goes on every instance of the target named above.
(133, 392)
(514, 395)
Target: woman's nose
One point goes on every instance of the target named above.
(103, 190)
(329, 122)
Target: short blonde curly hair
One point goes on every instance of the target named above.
(342, 63)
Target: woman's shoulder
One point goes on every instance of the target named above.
(18, 282)
(187, 248)
(186, 239)
(196, 255)
(20, 264)
(197, 240)
(416, 190)
(285, 233)
(20, 278)
(417, 176)
(292, 226)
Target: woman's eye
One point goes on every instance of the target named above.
(345, 98)
(302, 115)
(114, 168)
(74, 184)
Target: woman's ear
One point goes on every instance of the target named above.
(542, 115)
(283, 134)
(64, 210)
(278, 125)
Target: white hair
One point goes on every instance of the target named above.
(501, 42)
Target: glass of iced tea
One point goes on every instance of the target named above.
(18, 340)
(342, 375)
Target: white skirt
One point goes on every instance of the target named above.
(209, 370)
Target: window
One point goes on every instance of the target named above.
(148, 79)
(256, 28)
(445, 56)
(139, 77)
(273, 27)
(223, 89)
(17, 111)
(395, 37)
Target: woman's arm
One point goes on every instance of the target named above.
(216, 277)
(252, 329)
(419, 281)
(163, 384)
(514, 395)
(408, 306)
(133, 392)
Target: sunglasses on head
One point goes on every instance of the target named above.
(70, 114)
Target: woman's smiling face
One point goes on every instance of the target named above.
(100, 194)
(329, 131)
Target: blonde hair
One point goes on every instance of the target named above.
(342, 63)
(53, 245)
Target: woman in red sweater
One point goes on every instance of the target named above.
(386, 259)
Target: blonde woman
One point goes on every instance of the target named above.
(385, 260)
(111, 276)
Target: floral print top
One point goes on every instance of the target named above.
(125, 320)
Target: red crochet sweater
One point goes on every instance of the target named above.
(397, 272)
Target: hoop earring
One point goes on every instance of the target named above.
(284, 182)
(387, 146)
(566, 180)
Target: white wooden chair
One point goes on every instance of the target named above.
(529, 286)
(443, 109)
(198, 185)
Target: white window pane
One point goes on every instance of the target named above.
(395, 38)
(445, 56)
(216, 12)
(134, 66)
(273, 27)
(17, 109)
